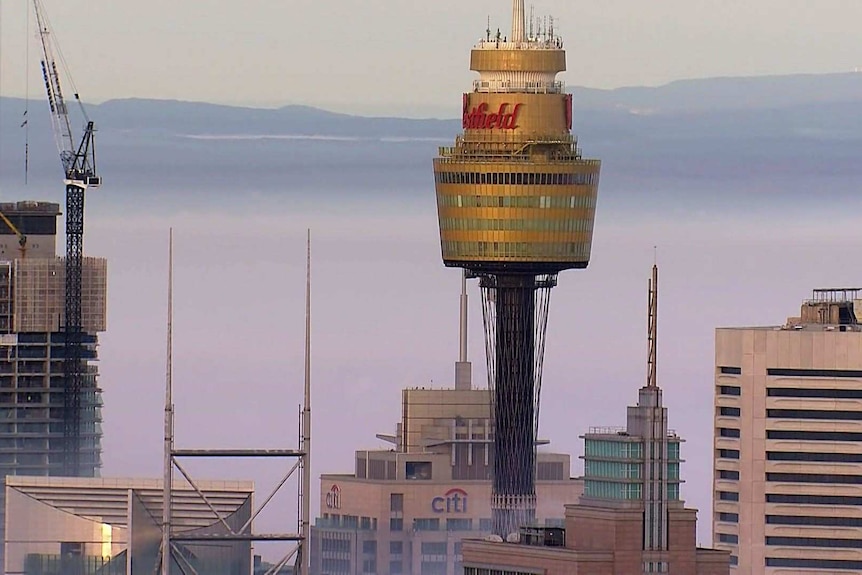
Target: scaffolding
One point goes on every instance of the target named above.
(173, 458)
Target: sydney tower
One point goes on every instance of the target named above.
(516, 204)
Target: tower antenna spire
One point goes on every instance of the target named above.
(518, 21)
(305, 527)
(463, 368)
(652, 327)
(167, 486)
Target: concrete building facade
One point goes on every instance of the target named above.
(788, 440)
(32, 304)
(405, 509)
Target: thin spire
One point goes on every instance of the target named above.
(463, 325)
(169, 420)
(519, 23)
(305, 550)
(652, 328)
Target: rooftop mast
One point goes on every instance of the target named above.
(652, 328)
(518, 21)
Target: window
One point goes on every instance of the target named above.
(396, 568)
(814, 478)
(813, 499)
(815, 542)
(418, 470)
(728, 496)
(396, 524)
(369, 547)
(729, 411)
(725, 370)
(369, 566)
(813, 520)
(804, 456)
(396, 502)
(814, 563)
(821, 373)
(814, 414)
(806, 392)
(426, 524)
(815, 435)
(734, 560)
(433, 568)
(728, 453)
(485, 525)
(728, 474)
(729, 517)
(728, 432)
(459, 525)
(728, 538)
(396, 547)
(729, 390)
(434, 548)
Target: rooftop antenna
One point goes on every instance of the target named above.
(463, 368)
(305, 527)
(652, 327)
(532, 21)
(518, 22)
(488, 30)
(169, 419)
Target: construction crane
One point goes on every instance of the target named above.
(22, 239)
(79, 170)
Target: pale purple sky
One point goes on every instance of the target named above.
(410, 58)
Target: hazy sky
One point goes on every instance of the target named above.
(399, 57)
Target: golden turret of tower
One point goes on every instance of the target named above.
(514, 192)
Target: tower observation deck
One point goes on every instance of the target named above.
(516, 205)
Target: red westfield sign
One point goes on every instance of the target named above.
(503, 119)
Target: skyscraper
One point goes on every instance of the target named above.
(516, 205)
(788, 427)
(32, 303)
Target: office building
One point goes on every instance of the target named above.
(96, 526)
(405, 509)
(630, 518)
(32, 304)
(788, 440)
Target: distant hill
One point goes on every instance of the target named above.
(791, 132)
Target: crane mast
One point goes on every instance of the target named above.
(79, 170)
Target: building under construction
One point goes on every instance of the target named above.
(516, 205)
(34, 410)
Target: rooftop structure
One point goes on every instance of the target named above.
(516, 205)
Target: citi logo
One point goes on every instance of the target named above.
(453, 501)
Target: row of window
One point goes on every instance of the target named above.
(613, 469)
(729, 411)
(820, 457)
(814, 478)
(541, 202)
(515, 179)
(831, 564)
(820, 373)
(727, 370)
(486, 571)
(517, 249)
(728, 538)
(728, 474)
(805, 392)
(815, 435)
(813, 499)
(729, 390)
(627, 491)
(811, 520)
(728, 496)
(613, 449)
(814, 414)
(517, 225)
(824, 542)
(728, 432)
(729, 517)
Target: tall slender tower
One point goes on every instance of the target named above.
(516, 205)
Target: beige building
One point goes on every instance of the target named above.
(405, 509)
(788, 441)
